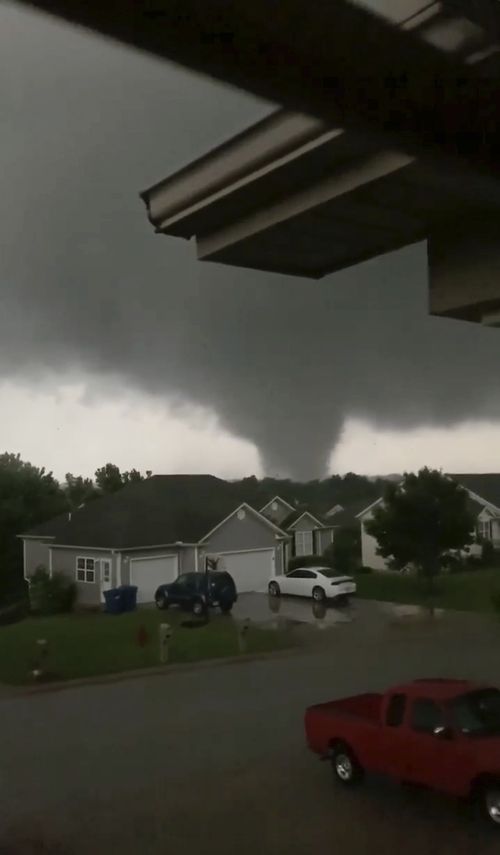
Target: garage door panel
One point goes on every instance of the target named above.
(251, 570)
(149, 573)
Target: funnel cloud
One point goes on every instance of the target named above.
(87, 287)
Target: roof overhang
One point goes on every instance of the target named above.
(402, 75)
(292, 196)
(425, 83)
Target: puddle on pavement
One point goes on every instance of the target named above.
(291, 614)
(407, 613)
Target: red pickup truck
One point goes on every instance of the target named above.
(443, 734)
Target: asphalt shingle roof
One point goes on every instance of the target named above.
(161, 510)
(486, 486)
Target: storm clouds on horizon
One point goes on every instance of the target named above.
(87, 287)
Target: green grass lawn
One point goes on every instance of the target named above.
(86, 645)
(469, 591)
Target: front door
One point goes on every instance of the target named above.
(105, 574)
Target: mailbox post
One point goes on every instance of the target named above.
(165, 634)
(242, 635)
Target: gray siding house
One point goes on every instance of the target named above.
(484, 496)
(150, 532)
(309, 533)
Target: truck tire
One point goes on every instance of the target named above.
(198, 607)
(489, 802)
(346, 768)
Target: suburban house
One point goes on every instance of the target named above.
(150, 531)
(484, 496)
(309, 532)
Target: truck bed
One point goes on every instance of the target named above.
(362, 706)
(324, 721)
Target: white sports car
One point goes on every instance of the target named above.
(320, 583)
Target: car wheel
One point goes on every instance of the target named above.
(318, 594)
(226, 608)
(198, 608)
(161, 602)
(490, 801)
(274, 589)
(346, 768)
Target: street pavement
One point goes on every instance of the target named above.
(214, 761)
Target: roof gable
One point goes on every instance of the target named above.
(244, 506)
(278, 500)
(299, 515)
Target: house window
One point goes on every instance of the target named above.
(85, 570)
(303, 543)
(484, 529)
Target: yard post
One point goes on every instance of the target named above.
(242, 635)
(165, 633)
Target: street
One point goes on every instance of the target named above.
(213, 760)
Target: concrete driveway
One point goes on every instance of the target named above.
(213, 760)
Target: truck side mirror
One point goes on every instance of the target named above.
(442, 732)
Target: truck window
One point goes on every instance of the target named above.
(426, 715)
(395, 711)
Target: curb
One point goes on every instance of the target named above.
(14, 692)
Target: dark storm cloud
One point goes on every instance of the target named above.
(86, 285)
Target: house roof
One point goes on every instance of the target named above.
(276, 499)
(49, 528)
(485, 485)
(482, 489)
(161, 510)
(347, 516)
(299, 512)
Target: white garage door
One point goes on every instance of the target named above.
(250, 570)
(149, 573)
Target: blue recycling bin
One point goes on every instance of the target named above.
(129, 597)
(113, 600)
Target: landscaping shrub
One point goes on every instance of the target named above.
(344, 554)
(307, 561)
(490, 556)
(51, 594)
(364, 569)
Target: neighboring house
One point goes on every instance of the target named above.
(309, 532)
(484, 496)
(149, 532)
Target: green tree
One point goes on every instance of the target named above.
(79, 490)
(28, 496)
(420, 521)
(109, 479)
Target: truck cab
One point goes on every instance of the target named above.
(440, 733)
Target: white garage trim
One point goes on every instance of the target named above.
(154, 557)
(249, 580)
(141, 581)
(240, 551)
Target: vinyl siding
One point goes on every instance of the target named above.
(369, 545)
(323, 539)
(64, 561)
(248, 533)
(36, 554)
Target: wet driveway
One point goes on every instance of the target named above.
(276, 611)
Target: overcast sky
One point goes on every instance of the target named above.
(116, 344)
